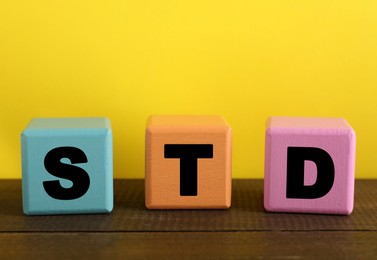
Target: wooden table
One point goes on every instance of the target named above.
(242, 232)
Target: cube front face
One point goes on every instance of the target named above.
(311, 150)
(170, 178)
(67, 169)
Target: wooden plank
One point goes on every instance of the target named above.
(246, 214)
(187, 245)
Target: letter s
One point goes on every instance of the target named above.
(77, 175)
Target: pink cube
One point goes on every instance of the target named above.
(309, 165)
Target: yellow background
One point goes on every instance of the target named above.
(246, 60)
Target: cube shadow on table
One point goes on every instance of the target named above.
(309, 165)
(188, 162)
(67, 166)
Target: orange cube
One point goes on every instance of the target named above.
(188, 162)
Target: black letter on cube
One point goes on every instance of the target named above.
(188, 155)
(78, 176)
(295, 173)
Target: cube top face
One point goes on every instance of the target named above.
(186, 122)
(287, 138)
(308, 125)
(71, 158)
(163, 173)
(46, 126)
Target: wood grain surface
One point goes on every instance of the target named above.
(244, 231)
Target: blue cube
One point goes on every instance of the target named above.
(67, 166)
